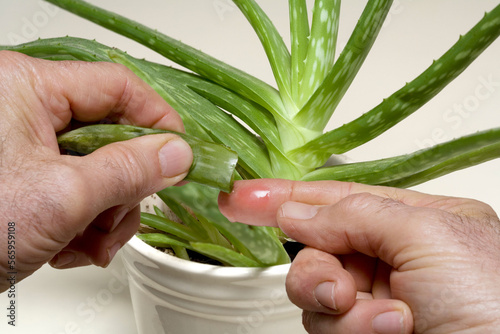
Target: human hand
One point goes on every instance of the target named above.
(70, 210)
(379, 259)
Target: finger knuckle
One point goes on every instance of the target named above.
(357, 202)
(295, 283)
(309, 321)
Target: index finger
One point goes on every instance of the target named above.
(89, 92)
(256, 202)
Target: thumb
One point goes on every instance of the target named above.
(104, 194)
(126, 172)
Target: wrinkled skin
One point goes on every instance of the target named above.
(75, 211)
(427, 264)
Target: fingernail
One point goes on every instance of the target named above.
(112, 252)
(325, 294)
(296, 210)
(175, 158)
(63, 259)
(388, 323)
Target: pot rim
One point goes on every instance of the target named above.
(166, 260)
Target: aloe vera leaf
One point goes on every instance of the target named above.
(186, 217)
(253, 115)
(420, 166)
(257, 119)
(180, 252)
(214, 235)
(261, 244)
(224, 255)
(158, 212)
(322, 45)
(219, 253)
(224, 129)
(299, 38)
(408, 99)
(253, 242)
(276, 50)
(213, 164)
(203, 204)
(180, 53)
(175, 93)
(221, 127)
(462, 161)
(171, 227)
(62, 47)
(319, 108)
(202, 227)
(162, 240)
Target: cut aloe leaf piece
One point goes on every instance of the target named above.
(213, 164)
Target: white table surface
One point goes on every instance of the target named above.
(94, 300)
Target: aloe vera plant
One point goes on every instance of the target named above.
(285, 134)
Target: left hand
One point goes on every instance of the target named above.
(379, 259)
(75, 211)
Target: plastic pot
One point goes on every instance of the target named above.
(175, 296)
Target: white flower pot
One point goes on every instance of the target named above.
(175, 296)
